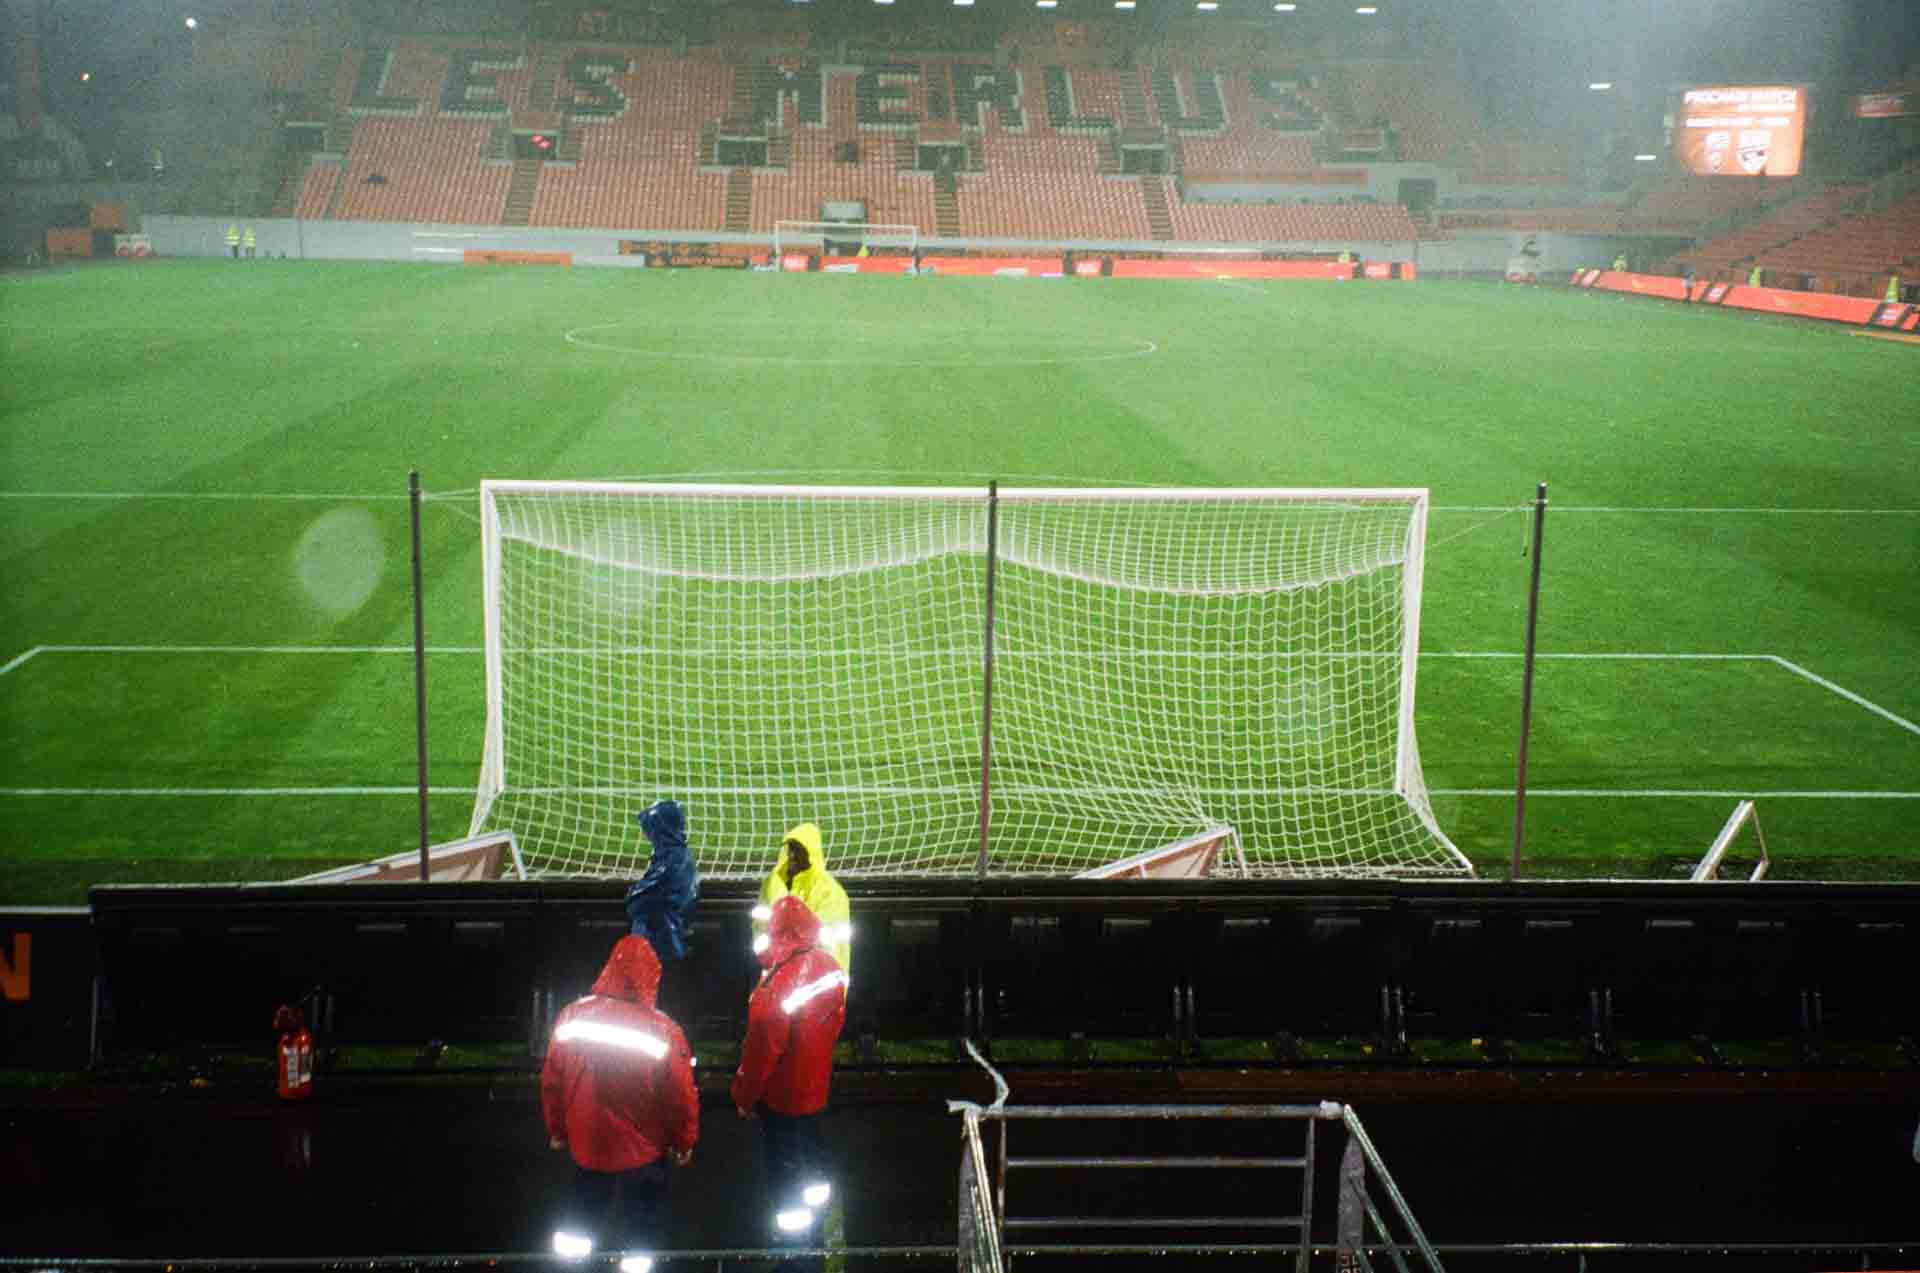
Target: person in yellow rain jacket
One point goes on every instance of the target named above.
(233, 241)
(801, 870)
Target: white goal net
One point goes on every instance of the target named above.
(843, 238)
(1166, 663)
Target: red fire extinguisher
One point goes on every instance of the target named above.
(295, 1052)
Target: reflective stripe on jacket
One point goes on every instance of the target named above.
(794, 1018)
(617, 1087)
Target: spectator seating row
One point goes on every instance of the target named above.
(648, 166)
(1687, 200)
(1358, 223)
(1859, 253)
(433, 169)
(316, 190)
(1775, 230)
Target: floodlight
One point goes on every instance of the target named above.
(1207, 6)
(1285, 6)
(1601, 86)
(1367, 10)
(193, 24)
(1644, 159)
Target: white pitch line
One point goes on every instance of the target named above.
(972, 652)
(1673, 793)
(197, 495)
(450, 496)
(19, 659)
(226, 792)
(253, 649)
(1743, 510)
(1849, 695)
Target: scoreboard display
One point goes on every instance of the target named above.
(1742, 130)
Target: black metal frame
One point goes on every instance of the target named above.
(1187, 962)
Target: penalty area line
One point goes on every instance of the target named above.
(19, 660)
(1846, 693)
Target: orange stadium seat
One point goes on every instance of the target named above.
(643, 168)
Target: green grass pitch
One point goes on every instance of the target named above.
(204, 600)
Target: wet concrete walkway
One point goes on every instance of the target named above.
(462, 1166)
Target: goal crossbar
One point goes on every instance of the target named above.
(866, 233)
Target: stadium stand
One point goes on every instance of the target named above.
(643, 166)
(1064, 131)
(1722, 256)
(1682, 202)
(1855, 255)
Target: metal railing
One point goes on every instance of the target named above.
(1366, 1221)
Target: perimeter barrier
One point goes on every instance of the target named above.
(1191, 965)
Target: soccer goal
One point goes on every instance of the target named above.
(1159, 664)
(843, 238)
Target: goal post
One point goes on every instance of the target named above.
(843, 238)
(1166, 663)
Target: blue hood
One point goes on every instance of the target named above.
(660, 907)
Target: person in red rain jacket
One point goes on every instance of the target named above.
(786, 1069)
(617, 1091)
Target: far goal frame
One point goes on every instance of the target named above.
(1402, 518)
(820, 233)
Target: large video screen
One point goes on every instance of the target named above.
(1742, 131)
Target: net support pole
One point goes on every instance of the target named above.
(419, 665)
(986, 677)
(1526, 680)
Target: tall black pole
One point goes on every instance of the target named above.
(986, 677)
(419, 666)
(1526, 679)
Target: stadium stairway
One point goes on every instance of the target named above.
(946, 204)
(1153, 191)
(739, 200)
(1133, 102)
(546, 73)
(526, 180)
(291, 180)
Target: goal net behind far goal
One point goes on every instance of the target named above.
(1165, 664)
(844, 238)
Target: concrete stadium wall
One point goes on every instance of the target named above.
(404, 241)
(385, 241)
(1560, 254)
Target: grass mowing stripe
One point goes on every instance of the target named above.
(1778, 502)
(828, 477)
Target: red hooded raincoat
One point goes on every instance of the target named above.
(793, 1018)
(617, 1087)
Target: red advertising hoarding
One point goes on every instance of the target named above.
(1778, 300)
(1741, 130)
(1672, 289)
(1882, 105)
(1233, 269)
